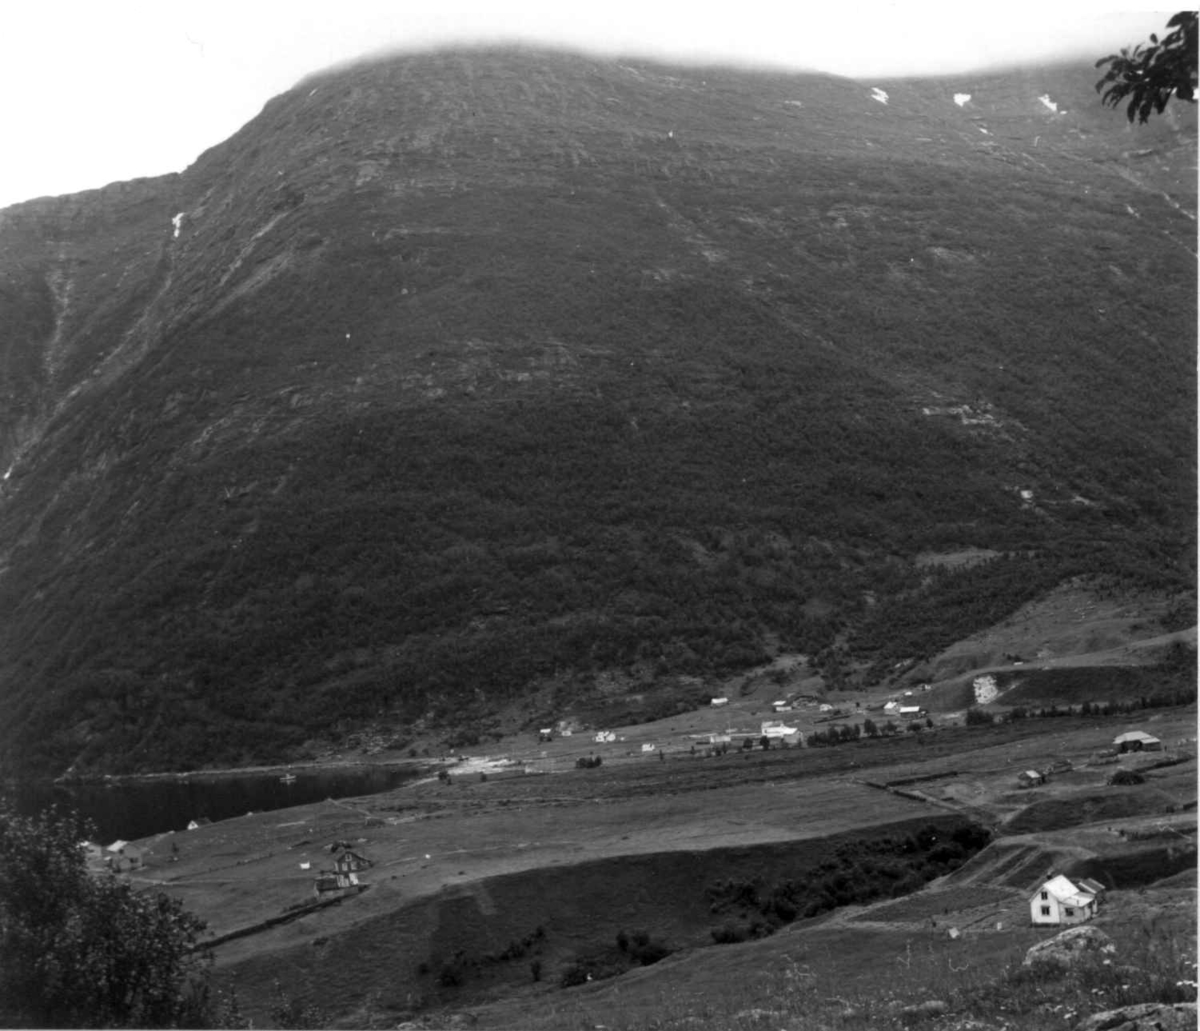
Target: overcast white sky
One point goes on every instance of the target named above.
(93, 91)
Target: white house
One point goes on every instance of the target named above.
(911, 711)
(776, 730)
(716, 703)
(891, 706)
(1061, 901)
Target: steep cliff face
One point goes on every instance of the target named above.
(76, 273)
(458, 373)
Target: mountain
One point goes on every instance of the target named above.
(464, 379)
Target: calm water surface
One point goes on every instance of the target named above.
(133, 809)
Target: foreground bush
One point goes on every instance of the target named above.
(84, 951)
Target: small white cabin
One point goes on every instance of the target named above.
(1061, 901)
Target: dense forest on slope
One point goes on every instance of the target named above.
(469, 372)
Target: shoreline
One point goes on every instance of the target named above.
(316, 766)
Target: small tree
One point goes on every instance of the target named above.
(1151, 75)
(979, 717)
(84, 951)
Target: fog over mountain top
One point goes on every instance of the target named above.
(131, 90)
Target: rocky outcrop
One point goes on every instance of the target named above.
(1070, 947)
(1146, 1016)
(922, 1011)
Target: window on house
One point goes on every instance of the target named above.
(1070, 911)
(1045, 895)
(1045, 910)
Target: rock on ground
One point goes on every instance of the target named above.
(1146, 1016)
(923, 1011)
(1070, 947)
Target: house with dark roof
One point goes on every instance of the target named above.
(350, 861)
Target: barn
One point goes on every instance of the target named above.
(1137, 741)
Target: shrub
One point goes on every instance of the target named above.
(574, 974)
(728, 934)
(1126, 778)
(84, 951)
(451, 975)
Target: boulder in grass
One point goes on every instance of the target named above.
(1070, 947)
(923, 1011)
(1145, 1016)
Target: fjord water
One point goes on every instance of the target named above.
(134, 809)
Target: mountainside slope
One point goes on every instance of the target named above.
(459, 373)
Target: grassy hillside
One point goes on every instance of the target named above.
(471, 372)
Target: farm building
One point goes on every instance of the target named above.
(351, 862)
(1030, 779)
(716, 703)
(546, 734)
(776, 730)
(1061, 901)
(124, 856)
(1137, 741)
(331, 885)
(909, 711)
(198, 822)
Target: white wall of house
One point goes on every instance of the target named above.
(1047, 909)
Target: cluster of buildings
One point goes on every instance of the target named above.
(1130, 741)
(119, 857)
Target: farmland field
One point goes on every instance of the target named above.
(941, 903)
